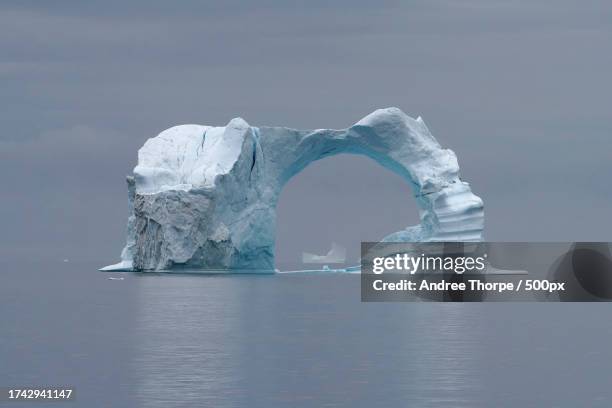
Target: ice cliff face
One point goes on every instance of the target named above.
(205, 197)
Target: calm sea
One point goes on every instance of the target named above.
(289, 340)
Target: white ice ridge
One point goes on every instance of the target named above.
(205, 197)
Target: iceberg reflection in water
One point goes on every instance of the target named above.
(298, 340)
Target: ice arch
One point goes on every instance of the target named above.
(205, 197)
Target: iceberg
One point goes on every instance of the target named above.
(204, 197)
(336, 254)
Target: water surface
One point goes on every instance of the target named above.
(299, 340)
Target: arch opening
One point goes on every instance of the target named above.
(341, 199)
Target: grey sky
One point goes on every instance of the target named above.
(521, 91)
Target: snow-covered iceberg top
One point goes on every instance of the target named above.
(205, 197)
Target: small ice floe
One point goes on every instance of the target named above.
(115, 278)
